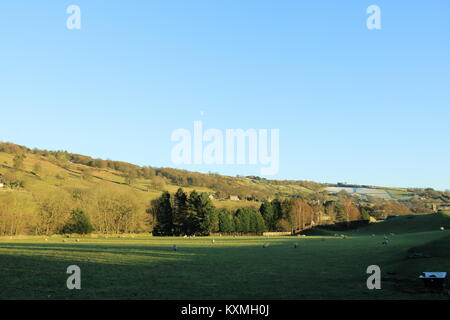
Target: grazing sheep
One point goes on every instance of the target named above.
(392, 234)
(174, 247)
(213, 241)
(78, 240)
(46, 239)
(386, 242)
(266, 245)
(373, 235)
(442, 228)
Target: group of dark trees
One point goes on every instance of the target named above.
(183, 214)
(194, 214)
(78, 223)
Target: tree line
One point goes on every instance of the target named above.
(108, 209)
(104, 209)
(183, 214)
(31, 205)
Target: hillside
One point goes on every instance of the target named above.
(61, 168)
(395, 225)
(410, 224)
(41, 172)
(40, 188)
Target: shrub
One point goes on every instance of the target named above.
(79, 223)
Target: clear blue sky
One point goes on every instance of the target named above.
(368, 107)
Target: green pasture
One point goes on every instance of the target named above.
(144, 267)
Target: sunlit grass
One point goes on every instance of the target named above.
(144, 267)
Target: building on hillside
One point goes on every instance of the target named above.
(234, 198)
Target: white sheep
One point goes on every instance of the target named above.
(266, 245)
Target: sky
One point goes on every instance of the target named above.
(351, 104)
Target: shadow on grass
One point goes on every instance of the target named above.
(38, 271)
(227, 269)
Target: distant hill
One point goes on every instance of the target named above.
(394, 225)
(410, 223)
(43, 169)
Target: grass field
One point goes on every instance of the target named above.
(142, 267)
